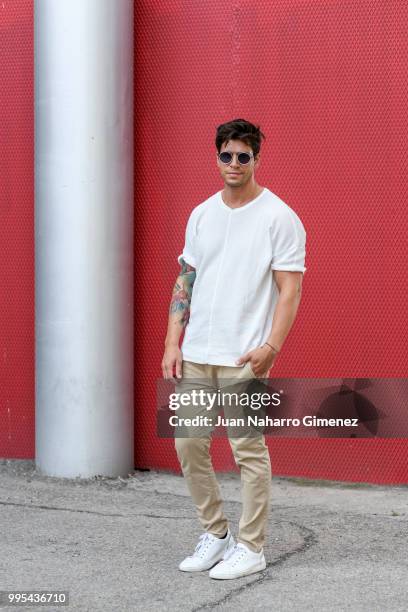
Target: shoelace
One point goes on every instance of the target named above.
(203, 542)
(235, 554)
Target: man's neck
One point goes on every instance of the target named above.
(236, 197)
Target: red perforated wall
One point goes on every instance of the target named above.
(16, 229)
(327, 83)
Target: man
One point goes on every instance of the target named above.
(236, 297)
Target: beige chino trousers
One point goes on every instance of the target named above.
(250, 452)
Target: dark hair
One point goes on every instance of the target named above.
(239, 129)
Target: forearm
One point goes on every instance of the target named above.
(179, 310)
(284, 317)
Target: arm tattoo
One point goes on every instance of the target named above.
(182, 292)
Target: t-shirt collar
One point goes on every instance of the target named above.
(240, 208)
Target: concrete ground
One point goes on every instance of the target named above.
(115, 544)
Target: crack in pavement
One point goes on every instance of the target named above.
(309, 539)
(43, 507)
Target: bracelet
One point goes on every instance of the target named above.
(272, 347)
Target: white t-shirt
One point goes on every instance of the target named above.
(234, 251)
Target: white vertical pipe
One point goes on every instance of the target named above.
(84, 236)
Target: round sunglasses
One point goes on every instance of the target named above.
(243, 158)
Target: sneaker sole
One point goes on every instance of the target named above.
(203, 569)
(259, 568)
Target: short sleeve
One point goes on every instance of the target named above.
(288, 239)
(189, 251)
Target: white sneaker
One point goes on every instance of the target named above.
(208, 551)
(239, 561)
